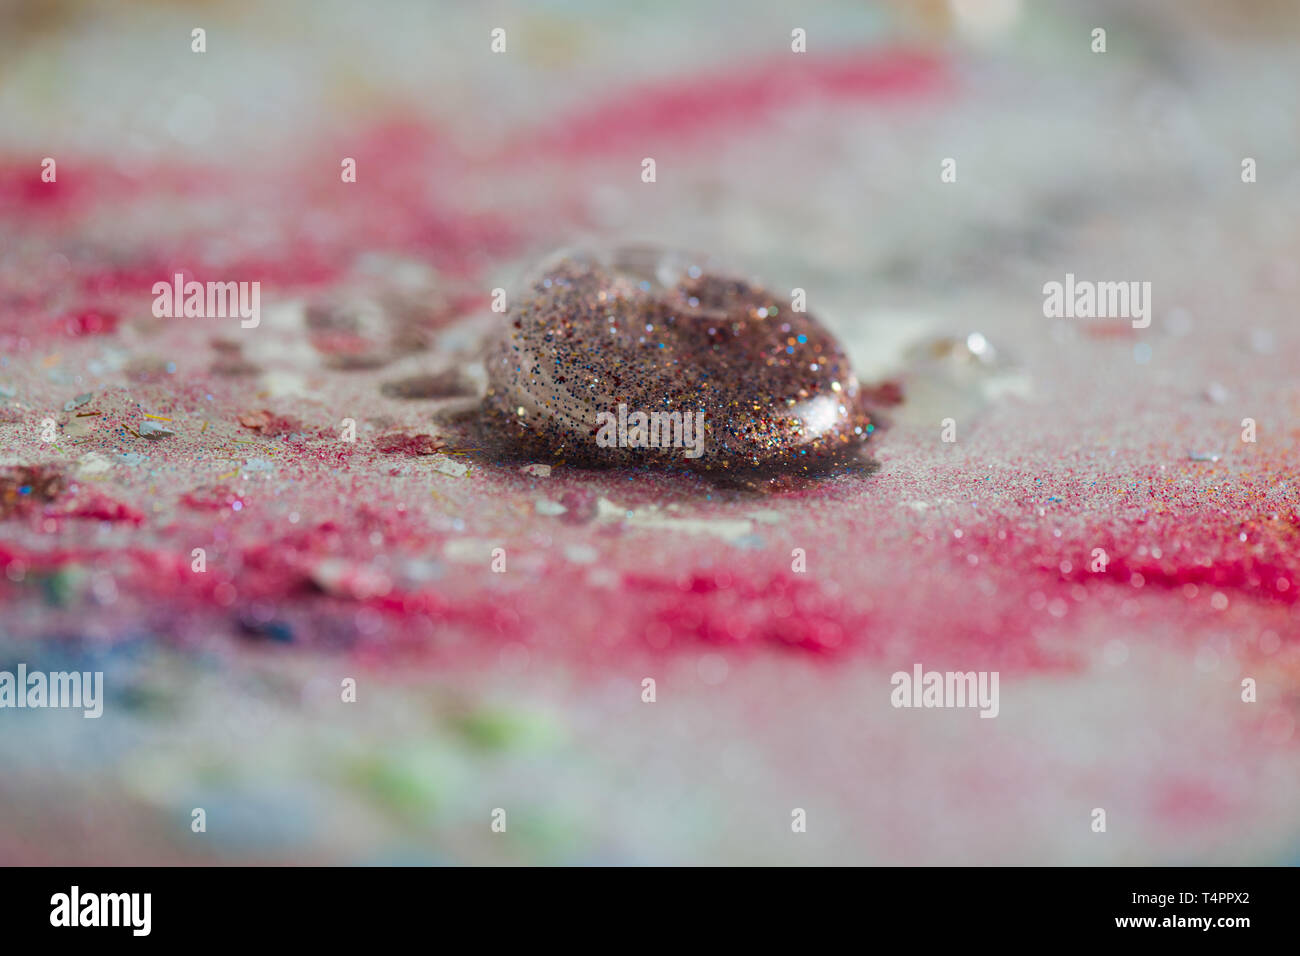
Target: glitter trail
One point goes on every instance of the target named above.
(701, 105)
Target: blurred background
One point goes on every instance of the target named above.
(819, 170)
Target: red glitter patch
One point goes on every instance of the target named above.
(403, 444)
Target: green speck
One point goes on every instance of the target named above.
(62, 586)
(405, 782)
(488, 729)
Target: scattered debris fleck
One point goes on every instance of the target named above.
(401, 443)
(450, 466)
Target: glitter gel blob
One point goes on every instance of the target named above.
(606, 352)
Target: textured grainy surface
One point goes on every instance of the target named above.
(326, 560)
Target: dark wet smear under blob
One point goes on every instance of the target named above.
(658, 333)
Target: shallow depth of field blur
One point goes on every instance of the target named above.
(476, 690)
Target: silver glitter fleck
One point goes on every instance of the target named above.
(155, 431)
